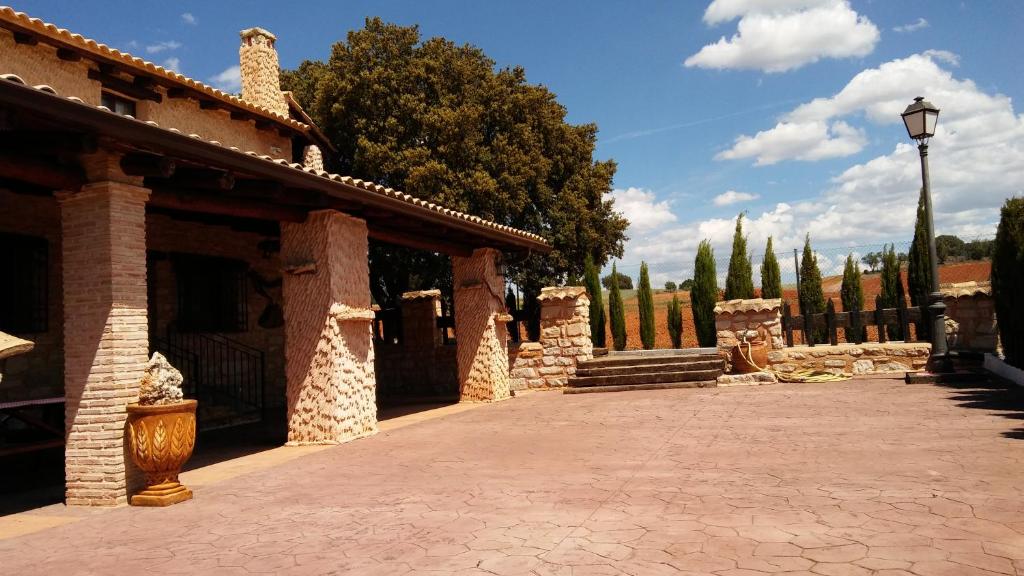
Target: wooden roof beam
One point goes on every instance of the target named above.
(34, 170)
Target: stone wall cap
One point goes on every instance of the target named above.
(421, 294)
(963, 289)
(257, 31)
(561, 292)
(751, 305)
(12, 345)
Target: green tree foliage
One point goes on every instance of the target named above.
(645, 303)
(670, 286)
(812, 299)
(1008, 280)
(872, 260)
(704, 294)
(675, 322)
(439, 121)
(892, 295)
(597, 313)
(739, 282)
(771, 275)
(949, 247)
(852, 295)
(624, 282)
(919, 271)
(617, 316)
(686, 284)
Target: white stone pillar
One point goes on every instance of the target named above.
(331, 387)
(106, 341)
(480, 330)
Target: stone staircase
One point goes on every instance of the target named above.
(648, 370)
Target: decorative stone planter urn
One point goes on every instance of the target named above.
(161, 434)
(160, 440)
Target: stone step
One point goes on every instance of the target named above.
(641, 361)
(602, 369)
(645, 378)
(653, 386)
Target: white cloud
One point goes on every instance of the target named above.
(163, 46)
(189, 19)
(808, 141)
(913, 27)
(228, 80)
(641, 208)
(733, 197)
(173, 63)
(781, 35)
(975, 162)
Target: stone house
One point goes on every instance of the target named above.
(141, 210)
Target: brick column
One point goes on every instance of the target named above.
(480, 331)
(419, 320)
(106, 342)
(331, 387)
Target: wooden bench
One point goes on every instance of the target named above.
(17, 410)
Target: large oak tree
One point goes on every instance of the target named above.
(439, 121)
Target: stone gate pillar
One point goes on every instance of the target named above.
(106, 340)
(480, 330)
(331, 388)
(564, 340)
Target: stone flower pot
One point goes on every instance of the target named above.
(160, 440)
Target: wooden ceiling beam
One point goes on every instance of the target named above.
(148, 165)
(241, 208)
(126, 87)
(402, 238)
(40, 172)
(196, 178)
(48, 142)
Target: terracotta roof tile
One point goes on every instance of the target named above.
(751, 305)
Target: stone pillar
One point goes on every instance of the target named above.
(331, 388)
(564, 334)
(106, 341)
(736, 318)
(480, 330)
(420, 311)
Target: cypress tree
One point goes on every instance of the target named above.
(852, 295)
(812, 299)
(704, 294)
(739, 283)
(597, 315)
(919, 271)
(675, 322)
(771, 276)
(645, 302)
(1007, 279)
(512, 306)
(617, 315)
(892, 287)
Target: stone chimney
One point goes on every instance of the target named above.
(261, 72)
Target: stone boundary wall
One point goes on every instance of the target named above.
(854, 359)
(564, 341)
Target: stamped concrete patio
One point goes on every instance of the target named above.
(861, 477)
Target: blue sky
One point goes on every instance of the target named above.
(785, 109)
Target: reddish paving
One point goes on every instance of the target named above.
(860, 477)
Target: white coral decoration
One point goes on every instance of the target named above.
(161, 383)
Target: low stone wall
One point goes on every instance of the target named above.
(851, 358)
(564, 341)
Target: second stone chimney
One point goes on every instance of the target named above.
(260, 70)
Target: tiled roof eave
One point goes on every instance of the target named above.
(65, 38)
(43, 100)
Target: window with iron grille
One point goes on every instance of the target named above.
(23, 288)
(211, 294)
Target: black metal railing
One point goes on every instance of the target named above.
(225, 375)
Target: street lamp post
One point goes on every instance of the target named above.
(920, 119)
